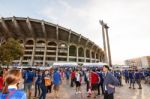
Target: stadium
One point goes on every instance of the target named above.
(46, 43)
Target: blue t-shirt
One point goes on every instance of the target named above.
(137, 75)
(56, 78)
(16, 94)
(101, 77)
(126, 73)
(116, 74)
(131, 75)
(39, 79)
(29, 75)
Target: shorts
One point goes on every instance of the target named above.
(78, 84)
(56, 87)
(27, 87)
(94, 86)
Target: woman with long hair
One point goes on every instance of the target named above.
(10, 89)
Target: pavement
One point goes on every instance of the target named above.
(123, 92)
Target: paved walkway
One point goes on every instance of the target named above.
(66, 92)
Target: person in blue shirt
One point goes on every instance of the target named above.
(131, 78)
(101, 81)
(67, 73)
(10, 90)
(38, 83)
(138, 79)
(118, 75)
(109, 83)
(28, 81)
(126, 75)
(56, 81)
(43, 87)
(146, 75)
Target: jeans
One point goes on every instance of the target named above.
(37, 90)
(43, 94)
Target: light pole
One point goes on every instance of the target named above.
(108, 45)
(106, 41)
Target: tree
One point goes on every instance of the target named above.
(10, 50)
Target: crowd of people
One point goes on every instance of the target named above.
(32, 82)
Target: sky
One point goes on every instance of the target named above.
(129, 20)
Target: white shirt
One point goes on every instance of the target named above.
(77, 76)
(12, 87)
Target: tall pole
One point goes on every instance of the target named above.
(104, 41)
(108, 46)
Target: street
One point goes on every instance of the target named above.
(123, 92)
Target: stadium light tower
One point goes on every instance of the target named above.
(107, 52)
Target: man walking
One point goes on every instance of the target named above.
(138, 79)
(109, 83)
(29, 77)
(56, 82)
(131, 78)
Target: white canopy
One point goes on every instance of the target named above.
(33, 67)
(45, 68)
(100, 64)
(67, 64)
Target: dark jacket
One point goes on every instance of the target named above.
(110, 79)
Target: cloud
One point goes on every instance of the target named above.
(128, 21)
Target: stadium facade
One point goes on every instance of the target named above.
(46, 42)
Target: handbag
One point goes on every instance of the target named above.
(48, 82)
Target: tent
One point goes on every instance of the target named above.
(100, 64)
(65, 64)
(44, 68)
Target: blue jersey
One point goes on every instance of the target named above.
(56, 78)
(126, 73)
(131, 75)
(39, 79)
(29, 76)
(146, 73)
(14, 94)
(137, 75)
(101, 77)
(116, 74)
